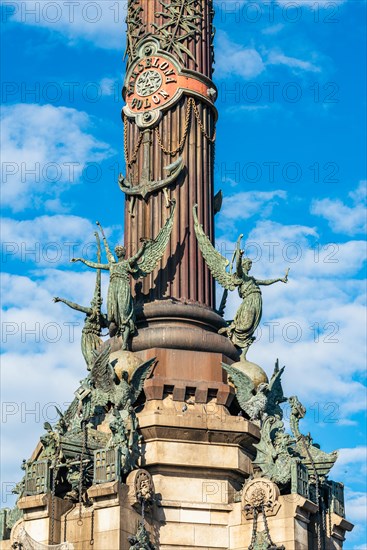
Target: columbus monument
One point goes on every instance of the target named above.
(174, 439)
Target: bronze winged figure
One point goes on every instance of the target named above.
(241, 330)
(95, 320)
(120, 306)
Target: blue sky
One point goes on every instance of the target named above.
(290, 161)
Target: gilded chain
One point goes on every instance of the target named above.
(201, 125)
(173, 152)
(191, 106)
(130, 160)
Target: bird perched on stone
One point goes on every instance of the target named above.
(257, 402)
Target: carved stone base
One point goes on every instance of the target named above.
(38, 511)
(198, 464)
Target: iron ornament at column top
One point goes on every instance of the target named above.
(156, 80)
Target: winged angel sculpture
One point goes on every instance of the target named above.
(259, 402)
(95, 320)
(241, 330)
(120, 307)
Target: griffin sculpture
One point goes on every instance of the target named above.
(108, 388)
(274, 451)
(258, 402)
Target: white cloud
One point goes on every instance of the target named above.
(356, 506)
(101, 23)
(351, 456)
(47, 240)
(109, 86)
(31, 322)
(318, 318)
(246, 62)
(342, 218)
(279, 58)
(44, 151)
(359, 195)
(32, 384)
(242, 206)
(274, 244)
(274, 29)
(50, 241)
(234, 59)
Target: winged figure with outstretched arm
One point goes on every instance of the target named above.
(95, 320)
(120, 307)
(241, 330)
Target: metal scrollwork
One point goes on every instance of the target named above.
(135, 28)
(182, 23)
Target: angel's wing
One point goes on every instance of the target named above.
(138, 378)
(102, 374)
(71, 411)
(215, 261)
(275, 394)
(243, 384)
(155, 249)
(275, 385)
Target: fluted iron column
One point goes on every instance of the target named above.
(182, 274)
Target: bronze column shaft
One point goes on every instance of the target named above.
(182, 274)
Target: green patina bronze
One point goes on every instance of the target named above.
(135, 28)
(241, 330)
(258, 402)
(274, 456)
(95, 320)
(182, 22)
(120, 306)
(65, 462)
(278, 451)
(108, 389)
(141, 541)
(317, 461)
(146, 186)
(263, 542)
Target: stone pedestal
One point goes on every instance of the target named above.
(339, 527)
(199, 458)
(38, 511)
